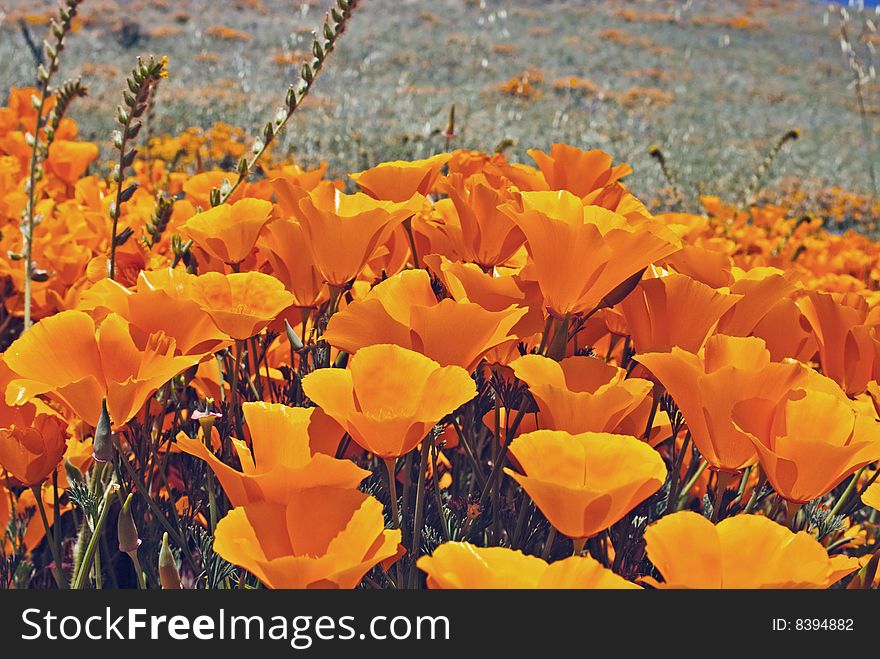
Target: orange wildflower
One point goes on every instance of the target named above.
(673, 311)
(229, 232)
(343, 231)
(581, 253)
(270, 469)
(810, 440)
(399, 180)
(389, 397)
(577, 171)
(456, 565)
(848, 344)
(484, 235)
(706, 388)
(744, 551)
(584, 483)
(403, 310)
(67, 357)
(317, 538)
(241, 304)
(580, 394)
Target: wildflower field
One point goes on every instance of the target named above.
(437, 333)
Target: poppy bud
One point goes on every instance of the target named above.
(126, 530)
(292, 337)
(103, 444)
(169, 577)
(74, 475)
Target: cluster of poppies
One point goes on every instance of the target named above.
(454, 372)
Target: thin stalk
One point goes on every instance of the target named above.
(395, 519)
(418, 520)
(50, 538)
(85, 566)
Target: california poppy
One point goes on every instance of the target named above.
(343, 231)
(584, 483)
(162, 301)
(744, 551)
(284, 246)
(847, 344)
(399, 180)
(582, 253)
(580, 394)
(577, 171)
(673, 310)
(389, 397)
(706, 387)
(316, 538)
(228, 232)
(241, 304)
(32, 447)
(404, 310)
(456, 565)
(485, 236)
(68, 358)
(810, 440)
(280, 458)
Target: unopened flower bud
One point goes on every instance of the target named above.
(169, 577)
(103, 442)
(126, 530)
(292, 337)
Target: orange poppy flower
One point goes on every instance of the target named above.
(810, 440)
(344, 231)
(404, 310)
(761, 290)
(32, 446)
(162, 301)
(674, 310)
(484, 235)
(66, 357)
(389, 397)
(456, 565)
(228, 232)
(871, 496)
(577, 171)
(399, 180)
(706, 387)
(584, 483)
(466, 282)
(317, 538)
(270, 469)
(284, 245)
(581, 253)
(744, 551)
(580, 394)
(848, 345)
(241, 304)
(68, 160)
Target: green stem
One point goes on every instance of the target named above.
(395, 519)
(142, 582)
(846, 493)
(50, 538)
(85, 566)
(548, 543)
(687, 486)
(419, 511)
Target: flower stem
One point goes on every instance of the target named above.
(419, 510)
(84, 567)
(395, 519)
(50, 538)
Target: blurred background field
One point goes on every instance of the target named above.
(714, 84)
